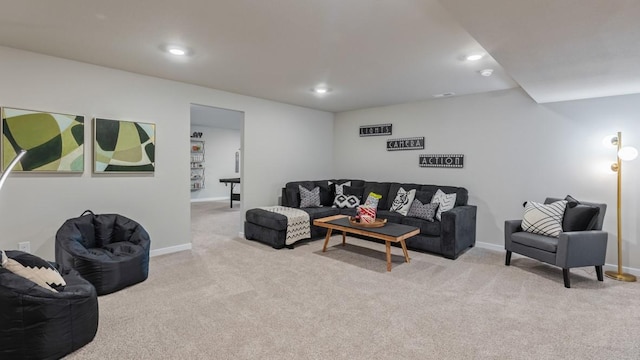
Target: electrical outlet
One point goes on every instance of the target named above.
(24, 246)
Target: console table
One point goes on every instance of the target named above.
(232, 182)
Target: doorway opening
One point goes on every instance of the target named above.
(215, 172)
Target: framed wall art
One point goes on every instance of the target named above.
(54, 142)
(123, 146)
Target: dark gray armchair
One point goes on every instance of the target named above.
(571, 249)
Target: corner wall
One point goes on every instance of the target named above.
(515, 150)
(279, 141)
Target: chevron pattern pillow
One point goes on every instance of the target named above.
(309, 198)
(544, 219)
(445, 202)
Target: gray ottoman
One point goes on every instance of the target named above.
(271, 228)
(266, 227)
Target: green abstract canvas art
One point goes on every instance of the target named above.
(54, 142)
(123, 146)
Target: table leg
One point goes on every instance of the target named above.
(231, 197)
(388, 244)
(344, 238)
(326, 240)
(404, 250)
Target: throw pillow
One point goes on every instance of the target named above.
(423, 211)
(340, 187)
(402, 203)
(445, 202)
(579, 217)
(373, 199)
(346, 201)
(35, 269)
(544, 219)
(309, 198)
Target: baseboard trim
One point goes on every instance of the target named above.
(210, 199)
(612, 267)
(241, 234)
(489, 246)
(170, 250)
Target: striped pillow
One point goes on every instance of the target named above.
(544, 219)
(445, 202)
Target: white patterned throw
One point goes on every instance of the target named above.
(298, 224)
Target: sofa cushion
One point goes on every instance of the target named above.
(402, 201)
(378, 188)
(430, 228)
(536, 241)
(462, 195)
(356, 191)
(309, 198)
(317, 213)
(391, 216)
(579, 217)
(544, 219)
(424, 196)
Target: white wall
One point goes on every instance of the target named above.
(515, 150)
(279, 141)
(220, 148)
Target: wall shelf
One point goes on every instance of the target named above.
(197, 165)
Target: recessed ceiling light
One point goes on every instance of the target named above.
(321, 90)
(178, 51)
(486, 72)
(474, 57)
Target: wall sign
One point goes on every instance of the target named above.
(414, 143)
(441, 160)
(375, 130)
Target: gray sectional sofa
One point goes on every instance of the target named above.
(449, 237)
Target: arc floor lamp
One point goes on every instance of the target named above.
(626, 153)
(10, 167)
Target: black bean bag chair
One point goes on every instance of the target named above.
(109, 250)
(38, 323)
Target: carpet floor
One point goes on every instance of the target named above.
(231, 298)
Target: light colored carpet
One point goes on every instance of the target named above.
(230, 298)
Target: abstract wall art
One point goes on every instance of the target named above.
(123, 146)
(54, 142)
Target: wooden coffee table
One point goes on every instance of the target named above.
(389, 233)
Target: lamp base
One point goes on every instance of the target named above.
(620, 276)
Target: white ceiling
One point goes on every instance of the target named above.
(370, 52)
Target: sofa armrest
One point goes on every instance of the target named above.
(458, 230)
(510, 227)
(581, 248)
